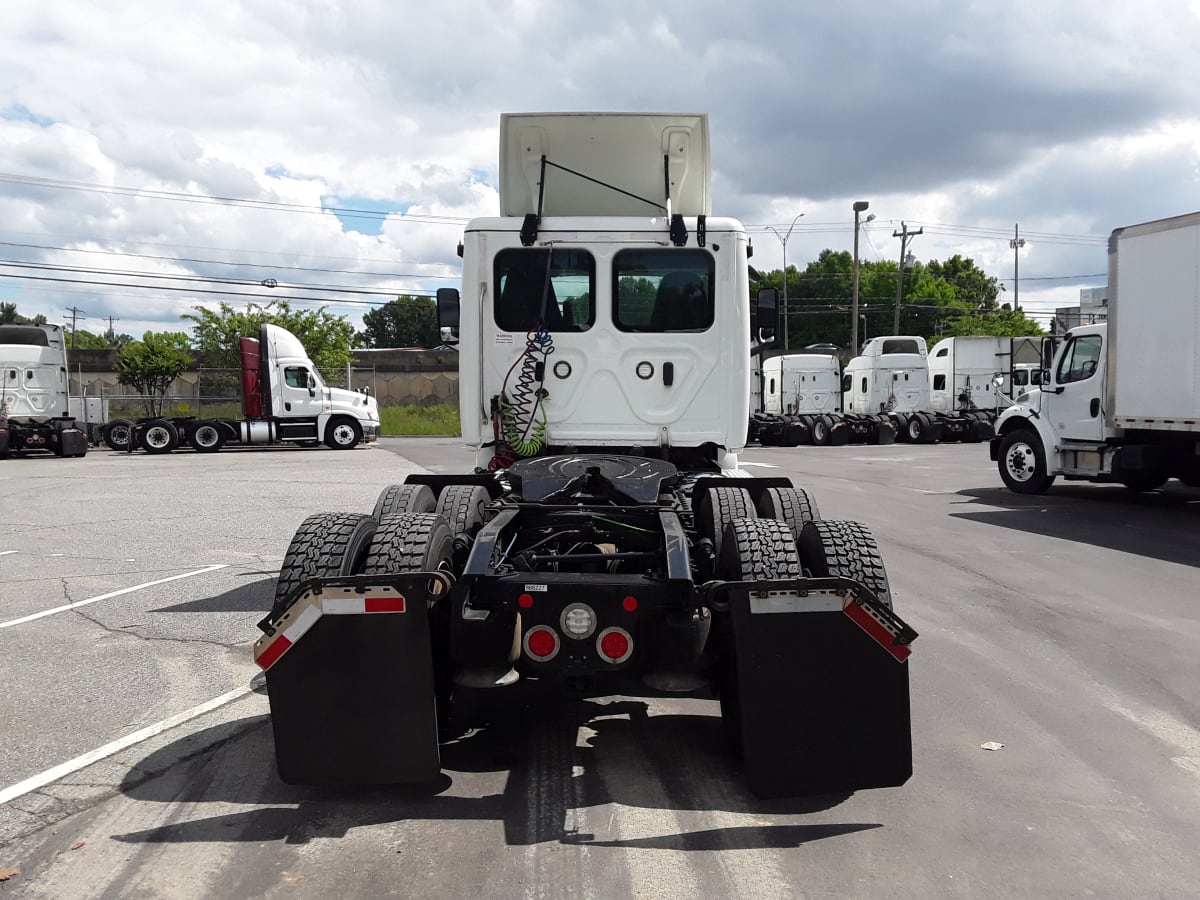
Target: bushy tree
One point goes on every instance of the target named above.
(821, 295)
(1003, 322)
(151, 364)
(10, 316)
(403, 322)
(325, 336)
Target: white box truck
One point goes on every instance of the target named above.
(1120, 401)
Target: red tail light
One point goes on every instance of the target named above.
(614, 645)
(541, 643)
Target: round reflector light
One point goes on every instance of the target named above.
(541, 643)
(615, 645)
(629, 604)
(578, 621)
(525, 601)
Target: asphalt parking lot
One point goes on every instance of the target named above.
(137, 755)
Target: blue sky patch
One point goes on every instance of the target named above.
(18, 113)
(362, 214)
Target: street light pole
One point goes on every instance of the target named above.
(859, 206)
(1016, 244)
(783, 239)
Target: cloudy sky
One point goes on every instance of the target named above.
(157, 155)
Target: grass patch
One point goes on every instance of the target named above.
(406, 420)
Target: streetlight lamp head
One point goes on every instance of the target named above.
(860, 205)
(870, 218)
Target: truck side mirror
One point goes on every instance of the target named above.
(767, 314)
(312, 385)
(447, 314)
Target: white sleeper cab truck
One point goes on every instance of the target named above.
(891, 379)
(284, 399)
(1120, 401)
(607, 541)
(980, 373)
(803, 405)
(34, 405)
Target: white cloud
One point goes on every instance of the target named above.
(966, 118)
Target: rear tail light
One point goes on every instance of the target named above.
(614, 645)
(541, 643)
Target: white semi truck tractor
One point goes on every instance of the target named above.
(284, 401)
(34, 401)
(802, 404)
(1120, 401)
(979, 373)
(891, 378)
(607, 540)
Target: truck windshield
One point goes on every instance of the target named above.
(663, 290)
(526, 298)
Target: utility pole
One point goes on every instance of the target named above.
(112, 334)
(75, 314)
(1016, 244)
(904, 234)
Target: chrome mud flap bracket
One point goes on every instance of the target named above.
(821, 674)
(350, 679)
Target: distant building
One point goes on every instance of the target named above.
(1092, 308)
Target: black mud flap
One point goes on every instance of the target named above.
(822, 687)
(349, 671)
(73, 442)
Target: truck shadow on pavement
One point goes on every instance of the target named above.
(534, 772)
(254, 596)
(1162, 524)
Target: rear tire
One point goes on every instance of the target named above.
(820, 431)
(464, 507)
(159, 436)
(752, 549)
(791, 505)
(832, 549)
(719, 507)
(206, 437)
(117, 434)
(324, 546)
(404, 498)
(1142, 480)
(421, 542)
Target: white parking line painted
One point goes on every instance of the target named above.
(108, 596)
(6, 552)
(61, 771)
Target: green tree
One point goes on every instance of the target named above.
(970, 282)
(403, 322)
(325, 336)
(85, 340)
(10, 316)
(151, 364)
(1003, 322)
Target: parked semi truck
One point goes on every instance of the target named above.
(284, 401)
(802, 404)
(891, 378)
(979, 373)
(1120, 401)
(34, 404)
(607, 540)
